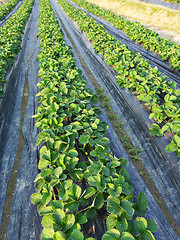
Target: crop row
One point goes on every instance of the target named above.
(135, 74)
(7, 7)
(175, 1)
(11, 38)
(137, 32)
(79, 174)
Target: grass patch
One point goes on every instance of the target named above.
(105, 101)
(146, 13)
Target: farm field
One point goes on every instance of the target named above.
(89, 125)
(154, 16)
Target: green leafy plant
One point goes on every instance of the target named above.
(149, 39)
(6, 8)
(134, 73)
(74, 152)
(11, 38)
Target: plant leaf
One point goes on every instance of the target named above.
(111, 234)
(142, 202)
(151, 226)
(127, 236)
(99, 200)
(68, 221)
(171, 147)
(147, 235)
(140, 224)
(76, 235)
(111, 221)
(47, 234)
(36, 198)
(113, 206)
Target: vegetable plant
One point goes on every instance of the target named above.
(135, 74)
(11, 38)
(6, 8)
(79, 175)
(149, 39)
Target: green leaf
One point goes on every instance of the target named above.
(59, 236)
(42, 136)
(2, 94)
(75, 192)
(113, 206)
(93, 153)
(142, 202)
(105, 140)
(46, 198)
(76, 235)
(147, 235)
(176, 139)
(57, 172)
(90, 213)
(68, 221)
(106, 171)
(71, 163)
(151, 226)
(39, 184)
(47, 234)
(171, 147)
(36, 198)
(46, 172)
(61, 146)
(81, 219)
(94, 126)
(48, 221)
(57, 204)
(58, 215)
(111, 221)
(99, 200)
(68, 183)
(72, 206)
(43, 164)
(46, 210)
(76, 175)
(94, 169)
(89, 192)
(127, 206)
(122, 224)
(140, 224)
(127, 236)
(93, 180)
(100, 149)
(115, 193)
(115, 163)
(73, 153)
(83, 139)
(111, 234)
(155, 130)
(55, 107)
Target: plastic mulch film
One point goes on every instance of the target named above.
(18, 151)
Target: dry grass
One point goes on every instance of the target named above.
(146, 13)
(2, 2)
